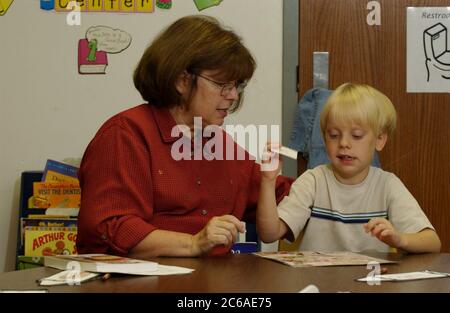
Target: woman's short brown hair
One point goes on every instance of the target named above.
(193, 44)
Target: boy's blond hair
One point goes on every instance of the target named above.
(360, 104)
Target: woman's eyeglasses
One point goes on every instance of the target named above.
(226, 88)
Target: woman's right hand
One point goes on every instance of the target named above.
(220, 230)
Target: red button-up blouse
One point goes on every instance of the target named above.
(131, 185)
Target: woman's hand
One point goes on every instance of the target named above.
(271, 162)
(220, 230)
(385, 232)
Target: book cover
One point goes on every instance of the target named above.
(55, 171)
(45, 222)
(55, 195)
(102, 263)
(312, 258)
(90, 60)
(42, 241)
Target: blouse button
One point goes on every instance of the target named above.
(199, 182)
(204, 212)
(104, 237)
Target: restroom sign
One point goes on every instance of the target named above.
(428, 49)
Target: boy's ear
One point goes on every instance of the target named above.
(182, 84)
(380, 141)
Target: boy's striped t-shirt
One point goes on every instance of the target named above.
(332, 214)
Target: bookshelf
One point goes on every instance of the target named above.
(26, 191)
(46, 235)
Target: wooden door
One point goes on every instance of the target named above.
(419, 152)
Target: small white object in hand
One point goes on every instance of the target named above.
(287, 152)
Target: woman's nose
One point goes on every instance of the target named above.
(233, 94)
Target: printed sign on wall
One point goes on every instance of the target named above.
(111, 6)
(428, 49)
(94, 49)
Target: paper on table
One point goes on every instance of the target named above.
(68, 277)
(405, 276)
(314, 258)
(166, 270)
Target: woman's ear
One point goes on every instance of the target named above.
(381, 141)
(183, 83)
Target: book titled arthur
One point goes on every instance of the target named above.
(46, 223)
(40, 241)
(313, 258)
(101, 263)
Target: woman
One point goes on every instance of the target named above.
(138, 197)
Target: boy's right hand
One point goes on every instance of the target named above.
(382, 229)
(271, 161)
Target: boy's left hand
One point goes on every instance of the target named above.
(384, 231)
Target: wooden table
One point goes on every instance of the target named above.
(248, 274)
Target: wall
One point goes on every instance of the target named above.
(48, 110)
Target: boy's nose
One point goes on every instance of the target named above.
(344, 142)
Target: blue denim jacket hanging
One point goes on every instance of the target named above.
(306, 135)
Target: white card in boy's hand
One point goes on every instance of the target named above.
(288, 152)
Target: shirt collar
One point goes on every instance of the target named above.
(165, 123)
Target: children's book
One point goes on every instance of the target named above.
(55, 171)
(312, 258)
(55, 195)
(45, 222)
(90, 60)
(42, 241)
(101, 263)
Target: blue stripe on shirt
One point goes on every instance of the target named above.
(348, 218)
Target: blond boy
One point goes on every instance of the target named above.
(347, 204)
